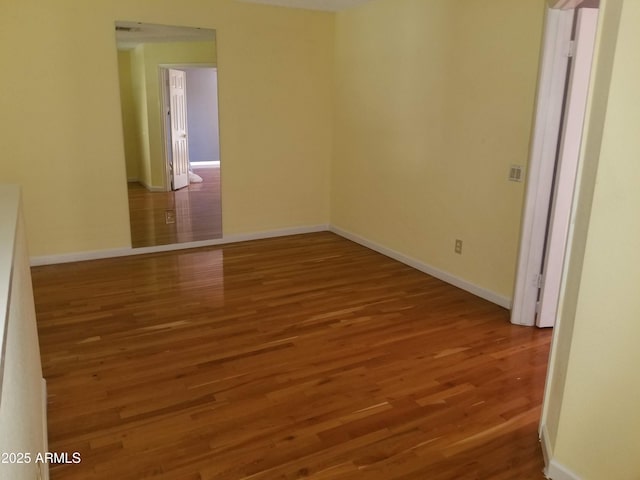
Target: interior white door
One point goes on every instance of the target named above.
(542, 159)
(568, 164)
(178, 114)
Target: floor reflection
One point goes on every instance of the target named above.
(191, 214)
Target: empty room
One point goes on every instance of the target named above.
(423, 262)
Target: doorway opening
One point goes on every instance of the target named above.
(191, 130)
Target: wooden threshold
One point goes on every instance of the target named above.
(296, 357)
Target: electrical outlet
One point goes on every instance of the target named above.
(170, 216)
(458, 247)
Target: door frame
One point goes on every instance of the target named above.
(164, 105)
(554, 163)
(560, 219)
(542, 158)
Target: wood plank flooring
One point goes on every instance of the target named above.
(299, 357)
(190, 214)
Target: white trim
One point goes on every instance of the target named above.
(557, 250)
(243, 237)
(124, 252)
(44, 467)
(556, 471)
(151, 188)
(551, 370)
(425, 268)
(550, 98)
(553, 470)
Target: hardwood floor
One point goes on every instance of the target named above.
(299, 357)
(186, 215)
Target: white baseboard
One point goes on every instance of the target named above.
(45, 431)
(428, 269)
(553, 470)
(151, 188)
(243, 237)
(556, 471)
(124, 252)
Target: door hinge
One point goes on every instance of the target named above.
(539, 280)
(572, 49)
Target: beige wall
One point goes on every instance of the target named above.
(129, 127)
(595, 402)
(434, 102)
(140, 113)
(430, 103)
(62, 127)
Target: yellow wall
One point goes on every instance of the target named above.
(434, 102)
(140, 98)
(62, 128)
(140, 127)
(598, 429)
(129, 127)
(609, 17)
(156, 54)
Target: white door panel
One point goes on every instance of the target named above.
(569, 154)
(551, 90)
(179, 144)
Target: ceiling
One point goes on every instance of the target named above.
(329, 5)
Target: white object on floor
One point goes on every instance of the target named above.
(194, 178)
